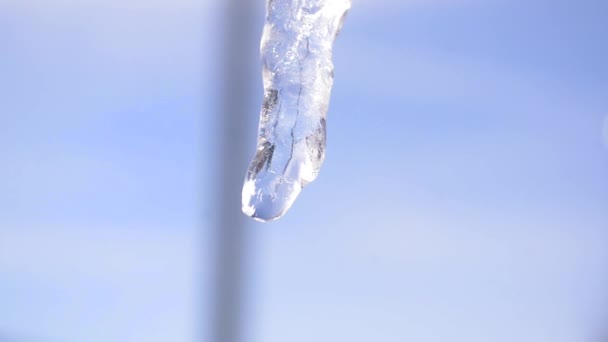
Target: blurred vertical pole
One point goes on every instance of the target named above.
(235, 118)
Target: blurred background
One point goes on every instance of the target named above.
(464, 196)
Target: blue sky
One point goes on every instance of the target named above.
(464, 195)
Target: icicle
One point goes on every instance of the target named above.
(296, 51)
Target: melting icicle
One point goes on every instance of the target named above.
(298, 75)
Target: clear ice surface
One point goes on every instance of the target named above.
(297, 71)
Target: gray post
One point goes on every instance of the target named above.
(235, 119)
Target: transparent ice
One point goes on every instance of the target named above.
(297, 70)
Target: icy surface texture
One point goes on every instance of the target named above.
(296, 51)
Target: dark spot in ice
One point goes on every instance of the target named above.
(270, 101)
(262, 159)
(316, 145)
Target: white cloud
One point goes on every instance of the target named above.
(103, 254)
(478, 243)
(402, 4)
(99, 283)
(62, 5)
(54, 5)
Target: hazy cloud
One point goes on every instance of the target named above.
(605, 131)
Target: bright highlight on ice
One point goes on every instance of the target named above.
(298, 75)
